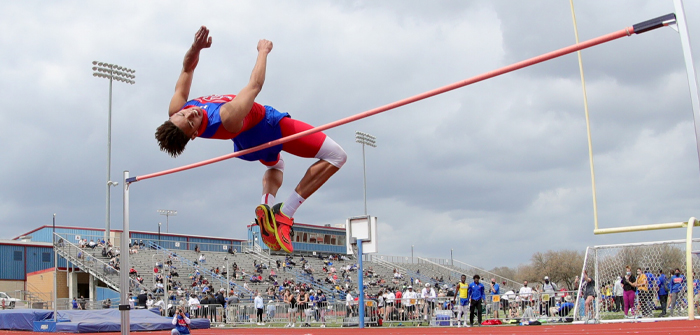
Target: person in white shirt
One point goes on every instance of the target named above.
(202, 259)
(149, 302)
(410, 297)
(193, 302)
(260, 307)
(525, 295)
(160, 304)
(428, 295)
(349, 303)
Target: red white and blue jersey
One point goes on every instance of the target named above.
(211, 126)
(260, 126)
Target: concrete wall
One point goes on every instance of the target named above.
(10, 286)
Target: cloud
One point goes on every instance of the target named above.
(494, 171)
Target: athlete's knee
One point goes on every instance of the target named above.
(332, 153)
(279, 165)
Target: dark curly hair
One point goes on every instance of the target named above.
(171, 139)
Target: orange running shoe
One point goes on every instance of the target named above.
(283, 228)
(263, 217)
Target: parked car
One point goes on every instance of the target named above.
(6, 301)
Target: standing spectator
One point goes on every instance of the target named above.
(476, 298)
(81, 303)
(549, 288)
(349, 304)
(618, 292)
(75, 303)
(291, 311)
(410, 298)
(525, 295)
(259, 307)
(270, 310)
(628, 286)
(142, 299)
(662, 290)
(494, 291)
(677, 283)
(642, 286)
(428, 295)
(589, 294)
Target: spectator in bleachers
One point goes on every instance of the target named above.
(92, 244)
(82, 243)
(133, 271)
(202, 259)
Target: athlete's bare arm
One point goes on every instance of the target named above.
(234, 112)
(182, 88)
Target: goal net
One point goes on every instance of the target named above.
(606, 265)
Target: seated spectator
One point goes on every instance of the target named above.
(202, 259)
(133, 272)
(104, 252)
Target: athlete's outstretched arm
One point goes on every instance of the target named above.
(234, 112)
(182, 88)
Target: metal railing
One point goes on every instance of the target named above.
(89, 263)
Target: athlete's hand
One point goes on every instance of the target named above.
(264, 46)
(201, 39)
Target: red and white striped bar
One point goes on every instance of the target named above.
(643, 27)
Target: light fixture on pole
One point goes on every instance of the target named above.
(168, 213)
(365, 139)
(118, 73)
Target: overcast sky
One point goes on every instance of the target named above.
(496, 171)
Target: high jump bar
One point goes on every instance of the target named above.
(638, 28)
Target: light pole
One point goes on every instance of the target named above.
(159, 233)
(55, 269)
(365, 139)
(118, 73)
(452, 262)
(168, 213)
(228, 281)
(411, 253)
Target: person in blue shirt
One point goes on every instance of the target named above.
(181, 321)
(677, 282)
(662, 284)
(476, 297)
(495, 291)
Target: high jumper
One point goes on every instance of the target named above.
(249, 124)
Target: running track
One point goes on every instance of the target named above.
(642, 328)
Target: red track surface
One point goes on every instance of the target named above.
(643, 328)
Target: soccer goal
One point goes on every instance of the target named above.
(607, 264)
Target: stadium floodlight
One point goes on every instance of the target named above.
(108, 71)
(365, 139)
(168, 213)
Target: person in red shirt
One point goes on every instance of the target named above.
(249, 124)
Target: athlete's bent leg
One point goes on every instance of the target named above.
(272, 180)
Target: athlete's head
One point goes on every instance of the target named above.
(182, 126)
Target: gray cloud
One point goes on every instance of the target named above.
(496, 170)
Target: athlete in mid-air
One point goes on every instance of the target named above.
(248, 124)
